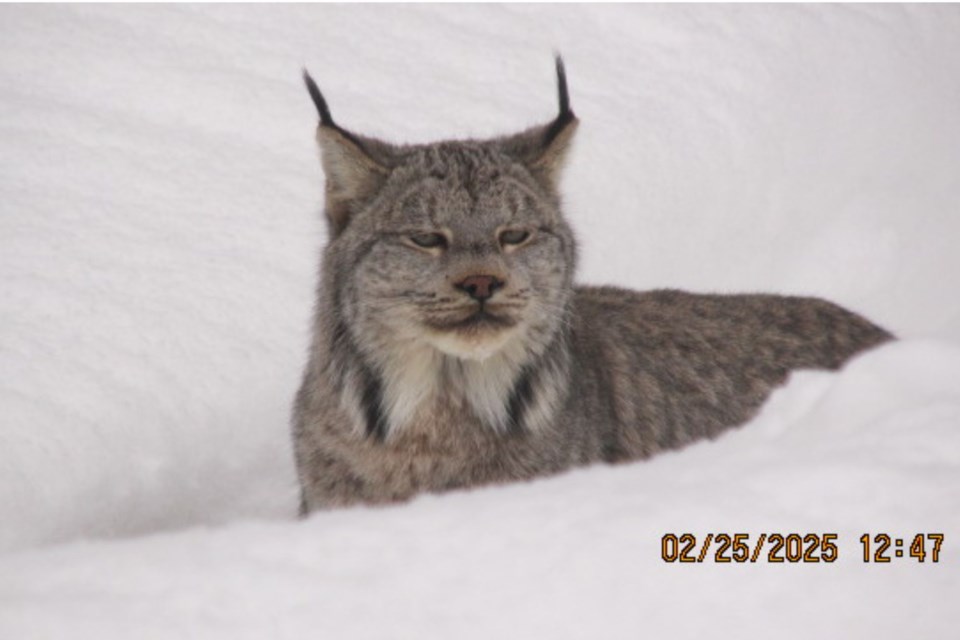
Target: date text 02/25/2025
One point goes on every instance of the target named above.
(795, 547)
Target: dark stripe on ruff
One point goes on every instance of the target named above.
(371, 402)
(520, 398)
(339, 352)
(344, 352)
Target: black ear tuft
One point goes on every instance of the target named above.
(566, 115)
(354, 166)
(325, 118)
(562, 88)
(543, 149)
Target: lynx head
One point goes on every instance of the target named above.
(451, 256)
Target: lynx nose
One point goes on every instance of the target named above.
(479, 287)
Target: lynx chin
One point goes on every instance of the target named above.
(451, 347)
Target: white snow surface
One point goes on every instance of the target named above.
(159, 239)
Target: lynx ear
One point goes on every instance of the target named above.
(544, 148)
(354, 166)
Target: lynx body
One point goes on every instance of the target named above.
(451, 349)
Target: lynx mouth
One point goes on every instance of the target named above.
(479, 321)
(474, 336)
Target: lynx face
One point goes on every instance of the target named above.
(449, 270)
(465, 252)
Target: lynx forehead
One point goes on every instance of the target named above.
(451, 347)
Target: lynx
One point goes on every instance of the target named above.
(451, 348)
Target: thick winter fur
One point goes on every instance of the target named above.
(418, 380)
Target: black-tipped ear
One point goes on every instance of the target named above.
(354, 166)
(543, 149)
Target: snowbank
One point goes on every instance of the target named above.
(578, 555)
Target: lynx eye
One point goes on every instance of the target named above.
(513, 236)
(429, 240)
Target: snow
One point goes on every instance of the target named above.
(159, 234)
